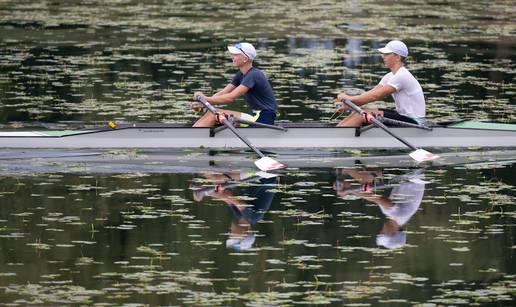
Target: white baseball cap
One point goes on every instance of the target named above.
(392, 241)
(397, 47)
(243, 48)
(241, 243)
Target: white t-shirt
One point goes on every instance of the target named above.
(408, 96)
(406, 199)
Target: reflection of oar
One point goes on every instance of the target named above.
(228, 185)
(413, 177)
(264, 163)
(418, 154)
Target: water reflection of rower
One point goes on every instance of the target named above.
(248, 205)
(403, 201)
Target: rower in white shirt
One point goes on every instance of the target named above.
(399, 82)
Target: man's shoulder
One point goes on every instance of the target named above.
(405, 72)
(255, 72)
(386, 78)
(387, 75)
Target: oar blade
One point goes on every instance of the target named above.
(422, 155)
(265, 175)
(268, 164)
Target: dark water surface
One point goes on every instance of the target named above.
(298, 238)
(439, 235)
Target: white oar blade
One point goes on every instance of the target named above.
(419, 181)
(266, 175)
(421, 155)
(268, 164)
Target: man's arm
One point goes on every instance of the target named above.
(229, 97)
(377, 93)
(228, 89)
(230, 199)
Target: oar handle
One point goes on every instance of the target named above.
(352, 106)
(207, 104)
(357, 109)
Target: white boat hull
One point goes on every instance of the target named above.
(295, 137)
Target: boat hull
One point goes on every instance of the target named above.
(294, 137)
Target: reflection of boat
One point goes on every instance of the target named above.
(297, 135)
(181, 161)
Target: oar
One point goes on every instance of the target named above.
(413, 177)
(417, 154)
(257, 124)
(264, 163)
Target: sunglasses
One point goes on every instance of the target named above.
(239, 47)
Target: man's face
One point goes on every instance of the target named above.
(239, 59)
(389, 59)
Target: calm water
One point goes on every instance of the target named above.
(299, 238)
(436, 235)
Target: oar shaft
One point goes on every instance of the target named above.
(379, 124)
(242, 138)
(229, 125)
(355, 108)
(227, 185)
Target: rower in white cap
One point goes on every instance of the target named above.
(399, 82)
(248, 81)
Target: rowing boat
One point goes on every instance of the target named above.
(297, 135)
